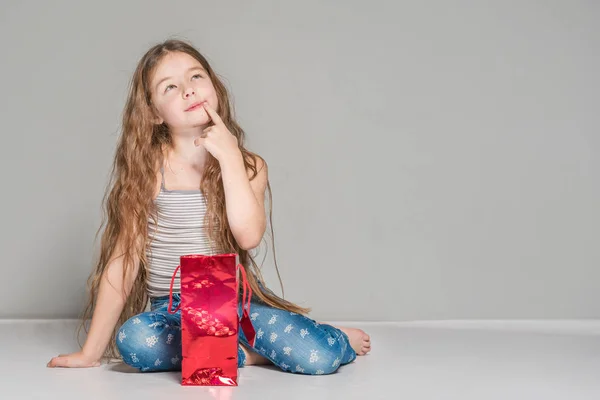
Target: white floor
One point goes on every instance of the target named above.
(419, 360)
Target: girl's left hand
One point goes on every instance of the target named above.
(217, 139)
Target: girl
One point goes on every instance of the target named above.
(183, 183)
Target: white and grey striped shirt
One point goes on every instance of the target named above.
(179, 231)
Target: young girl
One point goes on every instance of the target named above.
(183, 183)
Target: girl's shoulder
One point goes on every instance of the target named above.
(257, 163)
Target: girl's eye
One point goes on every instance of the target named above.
(197, 75)
(169, 87)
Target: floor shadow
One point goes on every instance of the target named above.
(122, 367)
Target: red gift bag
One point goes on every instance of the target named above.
(209, 318)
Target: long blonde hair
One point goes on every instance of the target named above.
(128, 204)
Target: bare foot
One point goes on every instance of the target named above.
(253, 358)
(359, 340)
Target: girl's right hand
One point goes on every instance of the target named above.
(73, 360)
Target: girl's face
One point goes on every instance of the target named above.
(179, 85)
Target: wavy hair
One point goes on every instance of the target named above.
(127, 203)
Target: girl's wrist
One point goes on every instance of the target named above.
(232, 158)
(92, 354)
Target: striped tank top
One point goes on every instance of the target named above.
(179, 230)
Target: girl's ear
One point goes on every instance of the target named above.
(158, 120)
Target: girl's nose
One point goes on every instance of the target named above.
(187, 93)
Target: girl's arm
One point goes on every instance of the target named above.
(109, 305)
(244, 199)
(108, 308)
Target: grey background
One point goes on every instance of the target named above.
(429, 160)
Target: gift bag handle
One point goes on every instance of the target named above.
(245, 321)
(171, 293)
(245, 286)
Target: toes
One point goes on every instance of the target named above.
(365, 337)
(366, 347)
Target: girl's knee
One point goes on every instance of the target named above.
(143, 333)
(148, 343)
(130, 335)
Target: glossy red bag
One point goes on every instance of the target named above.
(209, 318)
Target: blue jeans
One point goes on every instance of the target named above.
(151, 341)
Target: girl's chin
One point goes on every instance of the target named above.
(200, 123)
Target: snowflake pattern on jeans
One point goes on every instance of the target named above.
(157, 362)
(136, 321)
(304, 332)
(260, 333)
(313, 356)
(331, 341)
(134, 357)
(253, 316)
(151, 341)
(288, 328)
(287, 351)
(273, 337)
(273, 320)
(170, 337)
(174, 360)
(122, 336)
